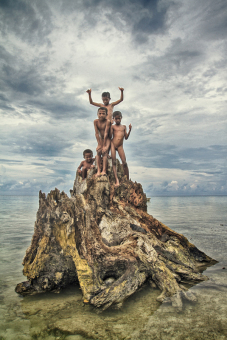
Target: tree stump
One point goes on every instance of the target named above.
(103, 238)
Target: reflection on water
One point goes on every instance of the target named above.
(64, 316)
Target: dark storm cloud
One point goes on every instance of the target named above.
(61, 108)
(214, 23)
(208, 154)
(9, 160)
(152, 22)
(141, 18)
(6, 108)
(3, 98)
(19, 76)
(30, 20)
(172, 157)
(47, 140)
(37, 143)
(24, 83)
(179, 58)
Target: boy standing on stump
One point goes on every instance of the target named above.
(119, 132)
(102, 126)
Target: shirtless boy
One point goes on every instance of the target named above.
(106, 102)
(102, 126)
(87, 164)
(119, 132)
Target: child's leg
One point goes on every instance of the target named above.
(104, 157)
(84, 173)
(104, 164)
(113, 155)
(123, 158)
(109, 150)
(98, 159)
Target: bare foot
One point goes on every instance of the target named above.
(103, 173)
(117, 184)
(98, 174)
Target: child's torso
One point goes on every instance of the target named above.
(118, 134)
(109, 110)
(101, 127)
(88, 165)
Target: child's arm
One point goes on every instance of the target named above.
(93, 166)
(99, 147)
(127, 134)
(91, 101)
(80, 166)
(121, 98)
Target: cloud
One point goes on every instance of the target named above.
(169, 56)
(29, 21)
(176, 157)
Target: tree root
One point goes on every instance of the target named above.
(103, 238)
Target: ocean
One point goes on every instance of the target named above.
(203, 220)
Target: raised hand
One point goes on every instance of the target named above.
(88, 91)
(121, 88)
(130, 127)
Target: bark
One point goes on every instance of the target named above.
(103, 238)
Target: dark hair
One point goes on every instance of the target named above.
(106, 94)
(102, 108)
(117, 113)
(88, 151)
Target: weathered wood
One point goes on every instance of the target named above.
(103, 238)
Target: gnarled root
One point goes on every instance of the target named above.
(103, 238)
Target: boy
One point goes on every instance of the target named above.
(102, 126)
(119, 132)
(106, 102)
(87, 164)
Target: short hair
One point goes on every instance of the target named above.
(88, 151)
(102, 108)
(106, 94)
(117, 113)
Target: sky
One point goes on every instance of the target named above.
(170, 56)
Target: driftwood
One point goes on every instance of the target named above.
(103, 238)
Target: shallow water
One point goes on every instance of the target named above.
(203, 220)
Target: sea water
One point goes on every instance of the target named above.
(203, 220)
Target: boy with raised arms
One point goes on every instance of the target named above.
(119, 133)
(106, 102)
(102, 126)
